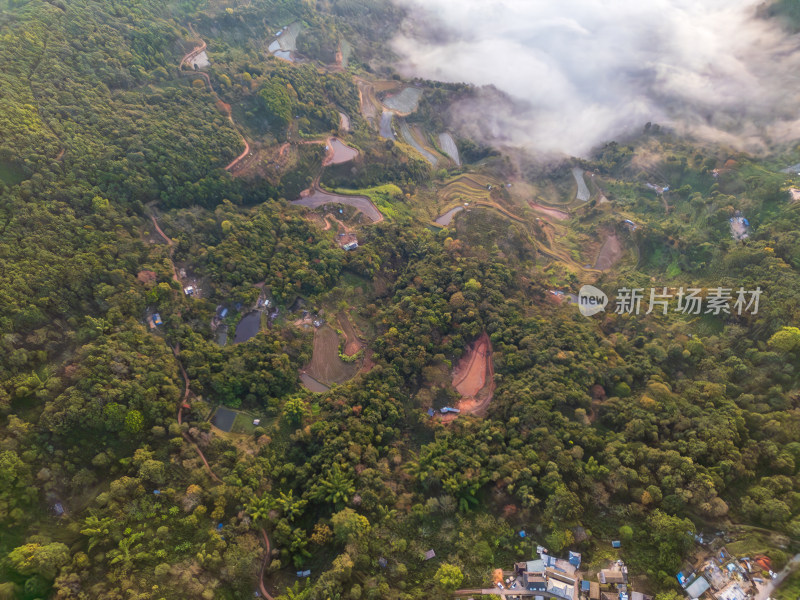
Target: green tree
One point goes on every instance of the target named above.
(786, 339)
(134, 421)
(448, 577)
(336, 488)
(295, 410)
(348, 524)
(39, 559)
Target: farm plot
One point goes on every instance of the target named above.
(553, 213)
(326, 367)
(338, 152)
(346, 50)
(405, 102)
(610, 253)
(200, 60)
(448, 146)
(411, 139)
(385, 127)
(446, 218)
(464, 188)
(319, 198)
(285, 44)
(352, 344)
(583, 191)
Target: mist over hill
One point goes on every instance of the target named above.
(580, 73)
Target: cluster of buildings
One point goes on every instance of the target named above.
(714, 575)
(720, 576)
(560, 578)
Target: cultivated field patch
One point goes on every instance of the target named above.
(326, 367)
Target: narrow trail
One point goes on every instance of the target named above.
(226, 107)
(267, 545)
(264, 565)
(171, 245)
(166, 238)
(177, 351)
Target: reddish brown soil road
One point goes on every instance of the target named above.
(176, 351)
(190, 56)
(264, 565)
(170, 243)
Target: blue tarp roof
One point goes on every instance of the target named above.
(616, 544)
(586, 585)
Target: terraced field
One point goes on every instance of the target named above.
(467, 188)
(284, 45)
(385, 127)
(413, 140)
(405, 102)
(448, 146)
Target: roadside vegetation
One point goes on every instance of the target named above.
(114, 484)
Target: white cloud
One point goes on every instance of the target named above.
(583, 71)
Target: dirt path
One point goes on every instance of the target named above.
(267, 545)
(167, 239)
(264, 565)
(226, 107)
(171, 246)
(177, 351)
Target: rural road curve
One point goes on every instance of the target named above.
(770, 586)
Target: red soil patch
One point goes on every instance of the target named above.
(469, 377)
(223, 107)
(147, 276)
(473, 378)
(352, 343)
(558, 215)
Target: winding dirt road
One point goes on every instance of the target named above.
(267, 545)
(188, 57)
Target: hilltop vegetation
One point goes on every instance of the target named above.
(114, 483)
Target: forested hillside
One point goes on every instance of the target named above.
(134, 186)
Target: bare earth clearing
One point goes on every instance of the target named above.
(352, 343)
(319, 198)
(473, 378)
(610, 253)
(558, 215)
(326, 366)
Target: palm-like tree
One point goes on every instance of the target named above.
(97, 530)
(336, 488)
(128, 551)
(290, 506)
(259, 508)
